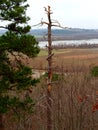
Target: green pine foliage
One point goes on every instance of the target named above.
(24, 43)
(16, 82)
(14, 11)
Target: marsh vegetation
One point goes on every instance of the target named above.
(74, 95)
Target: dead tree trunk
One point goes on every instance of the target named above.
(1, 122)
(49, 82)
(50, 23)
(49, 99)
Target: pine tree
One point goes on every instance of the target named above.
(14, 11)
(15, 80)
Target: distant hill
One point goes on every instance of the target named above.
(62, 34)
(40, 32)
(68, 34)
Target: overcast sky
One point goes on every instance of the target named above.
(71, 13)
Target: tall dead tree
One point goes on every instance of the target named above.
(49, 82)
(50, 23)
(49, 68)
(49, 59)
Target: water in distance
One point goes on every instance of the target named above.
(43, 44)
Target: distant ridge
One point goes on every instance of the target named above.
(41, 32)
(62, 34)
(68, 34)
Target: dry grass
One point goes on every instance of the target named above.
(73, 99)
(67, 58)
(73, 95)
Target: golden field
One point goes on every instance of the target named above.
(74, 93)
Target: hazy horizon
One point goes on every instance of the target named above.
(70, 13)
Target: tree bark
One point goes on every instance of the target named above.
(49, 99)
(1, 122)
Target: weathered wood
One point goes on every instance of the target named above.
(1, 122)
(49, 83)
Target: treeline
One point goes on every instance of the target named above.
(85, 45)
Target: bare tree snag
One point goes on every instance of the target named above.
(49, 59)
(50, 24)
(49, 71)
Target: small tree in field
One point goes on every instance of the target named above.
(15, 80)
